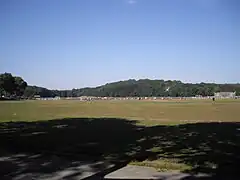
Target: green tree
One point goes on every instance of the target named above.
(7, 83)
(20, 86)
(1, 86)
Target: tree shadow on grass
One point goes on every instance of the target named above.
(209, 148)
(44, 149)
(76, 145)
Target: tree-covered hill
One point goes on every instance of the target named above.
(10, 85)
(145, 88)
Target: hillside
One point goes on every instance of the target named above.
(139, 88)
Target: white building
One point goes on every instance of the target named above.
(225, 94)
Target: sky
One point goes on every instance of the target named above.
(65, 44)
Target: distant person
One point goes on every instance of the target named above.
(213, 99)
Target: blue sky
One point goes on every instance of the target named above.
(78, 43)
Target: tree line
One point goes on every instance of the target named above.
(16, 86)
(142, 88)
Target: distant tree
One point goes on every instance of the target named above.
(1, 91)
(11, 85)
(1, 86)
(238, 93)
(7, 84)
(20, 86)
(29, 92)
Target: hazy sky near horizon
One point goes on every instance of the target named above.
(64, 44)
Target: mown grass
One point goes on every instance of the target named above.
(163, 165)
(174, 135)
(148, 112)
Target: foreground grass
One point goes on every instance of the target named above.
(163, 165)
(204, 135)
(171, 112)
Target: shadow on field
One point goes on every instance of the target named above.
(81, 145)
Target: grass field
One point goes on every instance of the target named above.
(195, 136)
(150, 112)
